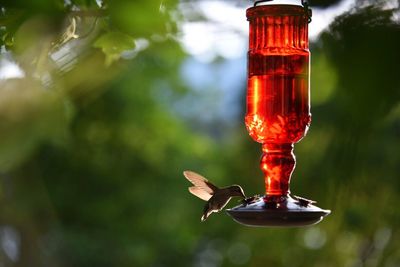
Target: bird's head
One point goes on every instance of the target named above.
(237, 191)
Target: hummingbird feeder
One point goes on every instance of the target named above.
(278, 111)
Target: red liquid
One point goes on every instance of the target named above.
(278, 109)
(277, 99)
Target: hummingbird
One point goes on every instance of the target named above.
(216, 197)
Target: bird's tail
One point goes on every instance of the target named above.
(206, 212)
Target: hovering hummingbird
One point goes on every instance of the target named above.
(216, 197)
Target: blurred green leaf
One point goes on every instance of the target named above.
(113, 44)
(140, 18)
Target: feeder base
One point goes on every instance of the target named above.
(281, 211)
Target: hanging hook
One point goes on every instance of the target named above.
(304, 3)
(307, 9)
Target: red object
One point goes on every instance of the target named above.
(278, 105)
(278, 112)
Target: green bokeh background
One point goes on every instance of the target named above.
(92, 152)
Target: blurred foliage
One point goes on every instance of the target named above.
(322, 3)
(92, 154)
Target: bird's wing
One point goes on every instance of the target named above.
(200, 193)
(200, 182)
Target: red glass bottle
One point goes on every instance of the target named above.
(278, 109)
